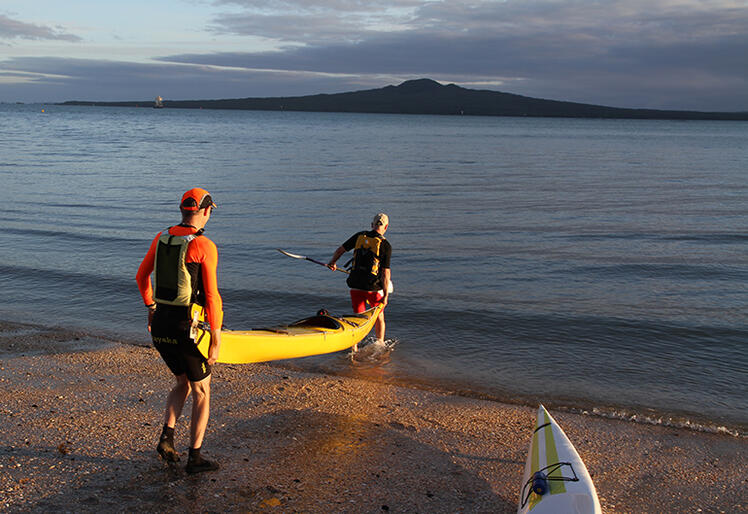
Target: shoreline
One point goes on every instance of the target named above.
(82, 420)
(639, 415)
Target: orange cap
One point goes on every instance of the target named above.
(196, 199)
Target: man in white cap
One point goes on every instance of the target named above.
(370, 277)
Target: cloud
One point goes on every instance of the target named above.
(58, 79)
(302, 23)
(655, 20)
(525, 35)
(14, 29)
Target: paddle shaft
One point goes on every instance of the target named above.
(295, 256)
(325, 265)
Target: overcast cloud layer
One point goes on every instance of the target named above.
(666, 54)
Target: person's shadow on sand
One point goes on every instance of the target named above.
(289, 461)
(318, 462)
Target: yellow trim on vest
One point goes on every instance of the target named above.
(364, 242)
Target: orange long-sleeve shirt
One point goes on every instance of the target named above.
(200, 250)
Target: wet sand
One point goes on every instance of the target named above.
(81, 418)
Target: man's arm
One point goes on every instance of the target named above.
(213, 300)
(338, 253)
(386, 277)
(143, 278)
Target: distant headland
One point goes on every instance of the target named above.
(426, 96)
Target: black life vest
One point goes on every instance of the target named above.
(366, 259)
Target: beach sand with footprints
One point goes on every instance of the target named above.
(81, 417)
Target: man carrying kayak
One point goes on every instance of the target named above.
(184, 263)
(370, 275)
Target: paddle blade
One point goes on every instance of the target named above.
(289, 254)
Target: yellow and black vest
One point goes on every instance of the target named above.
(366, 257)
(175, 281)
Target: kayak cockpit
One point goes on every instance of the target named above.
(318, 322)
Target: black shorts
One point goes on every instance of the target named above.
(170, 331)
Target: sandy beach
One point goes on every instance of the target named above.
(81, 417)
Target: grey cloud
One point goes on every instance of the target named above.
(59, 79)
(415, 54)
(304, 28)
(652, 20)
(329, 6)
(527, 36)
(289, 27)
(14, 29)
(303, 22)
(608, 19)
(486, 56)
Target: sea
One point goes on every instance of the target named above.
(595, 266)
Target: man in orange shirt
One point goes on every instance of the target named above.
(184, 263)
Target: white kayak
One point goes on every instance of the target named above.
(555, 480)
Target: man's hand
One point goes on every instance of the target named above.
(151, 312)
(215, 346)
(339, 251)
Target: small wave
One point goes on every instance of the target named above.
(67, 236)
(372, 351)
(726, 238)
(73, 205)
(364, 372)
(711, 238)
(664, 271)
(655, 419)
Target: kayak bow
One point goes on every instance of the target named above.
(555, 480)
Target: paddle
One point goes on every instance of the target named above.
(304, 257)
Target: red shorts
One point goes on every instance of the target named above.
(359, 299)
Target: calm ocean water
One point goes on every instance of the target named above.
(598, 265)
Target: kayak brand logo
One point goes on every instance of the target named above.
(164, 340)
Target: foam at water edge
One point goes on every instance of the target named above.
(657, 420)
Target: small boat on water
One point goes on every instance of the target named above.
(159, 103)
(319, 334)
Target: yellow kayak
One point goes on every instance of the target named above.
(319, 334)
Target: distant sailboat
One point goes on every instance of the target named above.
(159, 103)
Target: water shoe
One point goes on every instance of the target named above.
(200, 464)
(166, 449)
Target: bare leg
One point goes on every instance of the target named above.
(200, 411)
(200, 414)
(380, 326)
(175, 401)
(174, 404)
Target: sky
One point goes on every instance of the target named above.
(660, 54)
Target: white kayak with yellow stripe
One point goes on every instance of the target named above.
(319, 334)
(555, 480)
